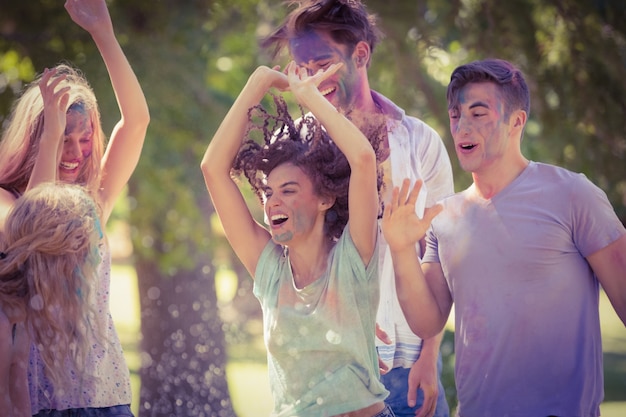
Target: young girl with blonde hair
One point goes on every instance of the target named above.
(48, 259)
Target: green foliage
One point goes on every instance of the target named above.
(573, 53)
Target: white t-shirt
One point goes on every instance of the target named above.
(416, 152)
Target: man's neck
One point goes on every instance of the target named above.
(494, 179)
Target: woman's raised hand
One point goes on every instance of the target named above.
(91, 15)
(302, 84)
(55, 103)
(401, 226)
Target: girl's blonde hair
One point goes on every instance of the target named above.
(19, 145)
(48, 271)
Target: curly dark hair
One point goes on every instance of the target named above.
(305, 144)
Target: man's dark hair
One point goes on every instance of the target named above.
(509, 79)
(347, 22)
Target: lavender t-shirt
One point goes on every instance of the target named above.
(526, 301)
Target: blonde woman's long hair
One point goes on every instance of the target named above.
(19, 145)
(48, 271)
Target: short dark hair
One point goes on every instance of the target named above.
(347, 22)
(509, 79)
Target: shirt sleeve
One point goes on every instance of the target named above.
(346, 249)
(595, 224)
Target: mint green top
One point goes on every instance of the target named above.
(322, 359)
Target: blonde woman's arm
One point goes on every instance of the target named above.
(55, 102)
(126, 140)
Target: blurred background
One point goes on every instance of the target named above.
(182, 302)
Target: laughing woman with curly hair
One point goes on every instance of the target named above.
(315, 270)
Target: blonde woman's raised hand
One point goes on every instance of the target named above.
(91, 15)
(55, 103)
(401, 226)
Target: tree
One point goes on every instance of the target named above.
(183, 343)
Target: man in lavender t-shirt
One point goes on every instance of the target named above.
(521, 253)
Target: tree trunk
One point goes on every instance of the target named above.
(183, 349)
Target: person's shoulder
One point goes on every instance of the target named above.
(7, 200)
(553, 174)
(421, 130)
(421, 134)
(417, 122)
(550, 169)
(6, 197)
(271, 253)
(456, 200)
(561, 184)
(415, 130)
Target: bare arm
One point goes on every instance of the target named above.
(19, 373)
(423, 294)
(55, 104)
(363, 194)
(244, 234)
(424, 375)
(6, 202)
(45, 168)
(609, 265)
(14, 399)
(126, 140)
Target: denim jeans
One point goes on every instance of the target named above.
(397, 382)
(115, 411)
(386, 412)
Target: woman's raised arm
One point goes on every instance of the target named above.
(127, 138)
(245, 235)
(363, 192)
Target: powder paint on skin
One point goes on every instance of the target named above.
(484, 128)
(78, 121)
(282, 238)
(492, 127)
(300, 223)
(310, 49)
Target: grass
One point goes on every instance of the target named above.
(247, 371)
